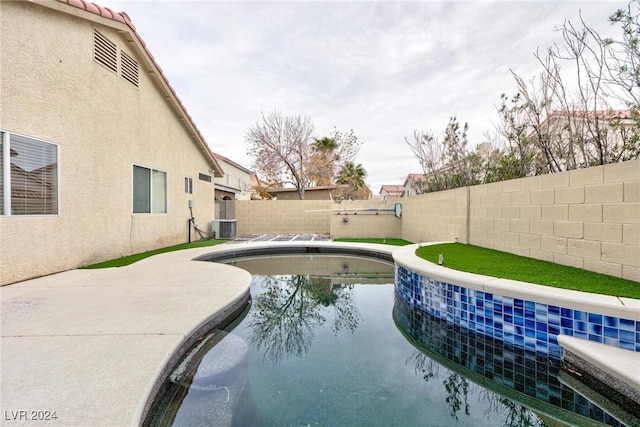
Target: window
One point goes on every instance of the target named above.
(204, 177)
(188, 185)
(28, 176)
(149, 190)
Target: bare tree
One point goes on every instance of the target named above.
(285, 151)
(280, 147)
(570, 118)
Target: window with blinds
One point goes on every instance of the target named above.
(149, 190)
(28, 176)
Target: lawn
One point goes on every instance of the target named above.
(489, 262)
(121, 262)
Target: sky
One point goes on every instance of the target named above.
(384, 69)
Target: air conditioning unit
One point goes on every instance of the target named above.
(224, 228)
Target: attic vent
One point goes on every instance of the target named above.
(105, 51)
(129, 68)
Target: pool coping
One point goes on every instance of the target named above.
(607, 305)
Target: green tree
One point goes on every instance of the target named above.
(352, 175)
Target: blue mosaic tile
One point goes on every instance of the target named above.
(522, 323)
(626, 325)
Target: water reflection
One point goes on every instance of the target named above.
(459, 388)
(520, 375)
(323, 349)
(289, 309)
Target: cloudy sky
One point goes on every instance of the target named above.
(383, 69)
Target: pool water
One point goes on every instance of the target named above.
(335, 347)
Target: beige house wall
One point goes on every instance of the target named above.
(52, 89)
(236, 178)
(586, 218)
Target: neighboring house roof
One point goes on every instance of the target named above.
(122, 20)
(605, 116)
(413, 177)
(392, 189)
(231, 162)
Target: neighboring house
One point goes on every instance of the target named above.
(414, 184)
(573, 137)
(390, 192)
(236, 182)
(258, 188)
(99, 158)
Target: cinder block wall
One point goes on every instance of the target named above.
(282, 216)
(586, 218)
(365, 218)
(436, 216)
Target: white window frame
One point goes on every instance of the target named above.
(5, 190)
(166, 190)
(188, 185)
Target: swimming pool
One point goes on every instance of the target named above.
(327, 342)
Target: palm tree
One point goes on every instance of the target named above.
(352, 175)
(323, 160)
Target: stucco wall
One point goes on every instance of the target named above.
(587, 218)
(52, 89)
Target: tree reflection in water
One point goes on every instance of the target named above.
(291, 307)
(458, 389)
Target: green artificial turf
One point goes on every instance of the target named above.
(121, 262)
(395, 242)
(489, 262)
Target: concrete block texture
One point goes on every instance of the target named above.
(585, 213)
(572, 229)
(587, 176)
(625, 213)
(556, 245)
(632, 192)
(631, 234)
(542, 197)
(621, 254)
(555, 180)
(610, 268)
(631, 273)
(622, 172)
(603, 232)
(584, 248)
(604, 193)
(569, 195)
(555, 212)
